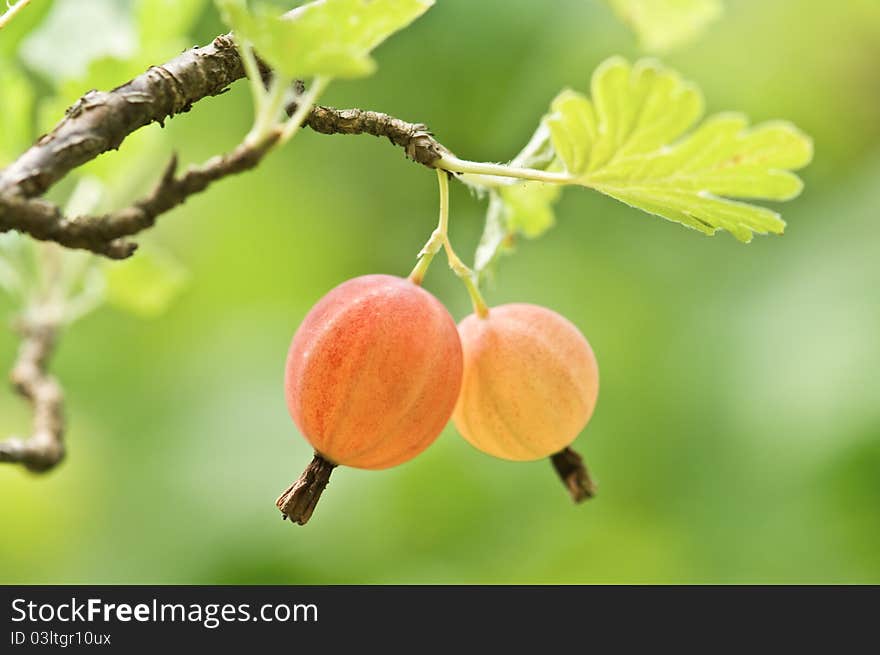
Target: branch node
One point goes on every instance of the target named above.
(170, 171)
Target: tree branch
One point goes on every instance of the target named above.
(44, 220)
(173, 190)
(100, 120)
(103, 234)
(45, 447)
(416, 139)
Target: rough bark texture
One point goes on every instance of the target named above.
(100, 120)
(173, 190)
(103, 234)
(570, 467)
(43, 220)
(299, 500)
(45, 447)
(416, 139)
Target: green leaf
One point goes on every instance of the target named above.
(664, 24)
(630, 143)
(333, 38)
(518, 208)
(525, 209)
(529, 207)
(495, 239)
(146, 284)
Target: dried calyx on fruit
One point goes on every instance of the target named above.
(372, 377)
(529, 387)
(374, 372)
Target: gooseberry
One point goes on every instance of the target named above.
(372, 377)
(529, 385)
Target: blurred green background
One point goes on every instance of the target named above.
(737, 436)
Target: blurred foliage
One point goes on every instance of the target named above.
(664, 24)
(332, 38)
(22, 25)
(145, 285)
(737, 436)
(523, 209)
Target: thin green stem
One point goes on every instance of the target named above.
(440, 239)
(454, 164)
(466, 275)
(275, 100)
(443, 184)
(426, 255)
(12, 11)
(304, 108)
(258, 91)
(486, 181)
(267, 117)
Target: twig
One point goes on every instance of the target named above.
(101, 120)
(44, 449)
(44, 220)
(103, 234)
(11, 12)
(416, 139)
(173, 190)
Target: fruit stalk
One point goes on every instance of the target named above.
(299, 500)
(573, 472)
(440, 239)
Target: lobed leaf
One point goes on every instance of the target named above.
(333, 38)
(629, 141)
